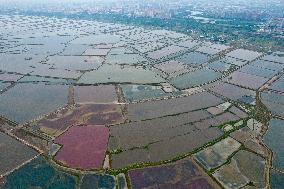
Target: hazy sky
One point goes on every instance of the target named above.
(42, 3)
(84, 1)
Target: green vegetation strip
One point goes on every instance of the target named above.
(180, 157)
